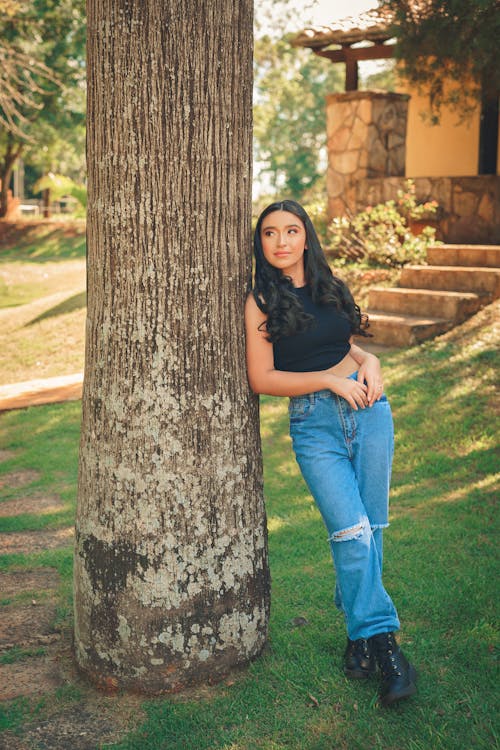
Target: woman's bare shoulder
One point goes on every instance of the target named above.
(254, 317)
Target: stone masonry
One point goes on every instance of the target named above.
(366, 139)
(469, 207)
(366, 165)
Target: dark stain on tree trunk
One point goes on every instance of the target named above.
(111, 563)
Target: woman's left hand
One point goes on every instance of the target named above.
(371, 373)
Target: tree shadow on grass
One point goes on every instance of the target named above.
(58, 244)
(75, 302)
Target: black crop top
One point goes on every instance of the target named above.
(319, 347)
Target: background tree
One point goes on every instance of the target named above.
(42, 93)
(60, 151)
(381, 74)
(289, 93)
(290, 113)
(443, 44)
(171, 577)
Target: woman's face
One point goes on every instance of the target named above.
(283, 237)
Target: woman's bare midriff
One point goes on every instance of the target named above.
(345, 367)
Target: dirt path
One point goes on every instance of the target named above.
(36, 652)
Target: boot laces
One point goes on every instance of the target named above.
(362, 647)
(387, 653)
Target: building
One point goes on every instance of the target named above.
(377, 139)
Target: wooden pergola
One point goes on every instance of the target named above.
(368, 37)
(364, 37)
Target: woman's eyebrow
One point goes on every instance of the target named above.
(287, 226)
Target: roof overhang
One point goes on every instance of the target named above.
(354, 39)
(373, 27)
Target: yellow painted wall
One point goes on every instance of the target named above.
(449, 149)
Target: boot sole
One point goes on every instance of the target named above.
(390, 700)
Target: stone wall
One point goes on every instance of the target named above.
(366, 165)
(366, 139)
(469, 207)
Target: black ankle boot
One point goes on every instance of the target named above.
(398, 675)
(359, 660)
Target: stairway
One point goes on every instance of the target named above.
(459, 281)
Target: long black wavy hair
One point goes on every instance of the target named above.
(273, 291)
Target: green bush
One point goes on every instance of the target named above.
(381, 234)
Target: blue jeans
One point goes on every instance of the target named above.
(345, 457)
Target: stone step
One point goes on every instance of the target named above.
(484, 281)
(404, 330)
(455, 306)
(479, 256)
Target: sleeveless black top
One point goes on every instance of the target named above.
(319, 347)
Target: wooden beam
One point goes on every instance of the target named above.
(351, 74)
(375, 52)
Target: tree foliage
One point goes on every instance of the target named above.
(442, 43)
(61, 186)
(43, 44)
(42, 85)
(290, 85)
(21, 84)
(289, 113)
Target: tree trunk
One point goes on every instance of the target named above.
(11, 155)
(46, 203)
(171, 576)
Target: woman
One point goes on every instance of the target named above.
(300, 320)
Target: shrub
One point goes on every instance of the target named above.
(381, 235)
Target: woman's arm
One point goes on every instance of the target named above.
(369, 371)
(264, 378)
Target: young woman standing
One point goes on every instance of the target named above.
(300, 320)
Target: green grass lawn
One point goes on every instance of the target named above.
(440, 568)
(40, 258)
(42, 300)
(42, 241)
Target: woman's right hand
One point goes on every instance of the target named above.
(354, 393)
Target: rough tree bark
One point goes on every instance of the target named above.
(171, 576)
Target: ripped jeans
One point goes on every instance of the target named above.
(345, 457)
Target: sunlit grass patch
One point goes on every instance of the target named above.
(22, 282)
(43, 241)
(42, 301)
(51, 347)
(43, 440)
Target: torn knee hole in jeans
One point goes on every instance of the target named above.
(353, 532)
